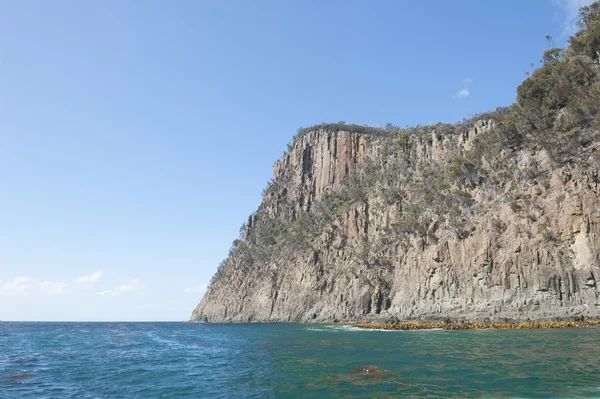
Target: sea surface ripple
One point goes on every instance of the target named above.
(186, 360)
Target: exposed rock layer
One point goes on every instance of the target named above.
(529, 250)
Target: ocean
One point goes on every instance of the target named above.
(186, 360)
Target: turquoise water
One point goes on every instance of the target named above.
(182, 360)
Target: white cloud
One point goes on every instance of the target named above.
(22, 280)
(132, 286)
(196, 290)
(125, 288)
(53, 287)
(464, 92)
(23, 286)
(91, 279)
(570, 14)
(28, 287)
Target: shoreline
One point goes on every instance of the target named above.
(407, 326)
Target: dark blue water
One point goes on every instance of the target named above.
(181, 360)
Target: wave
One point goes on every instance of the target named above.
(348, 327)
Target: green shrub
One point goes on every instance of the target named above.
(557, 110)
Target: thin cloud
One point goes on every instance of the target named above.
(53, 287)
(464, 92)
(123, 289)
(196, 290)
(569, 14)
(28, 287)
(23, 280)
(88, 280)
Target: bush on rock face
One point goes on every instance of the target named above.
(557, 110)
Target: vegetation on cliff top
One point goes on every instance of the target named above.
(557, 110)
(560, 99)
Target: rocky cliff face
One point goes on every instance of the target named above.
(497, 218)
(416, 225)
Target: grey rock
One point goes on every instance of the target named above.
(533, 257)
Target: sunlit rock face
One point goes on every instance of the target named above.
(367, 226)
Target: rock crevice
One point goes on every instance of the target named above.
(516, 247)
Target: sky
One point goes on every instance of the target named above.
(136, 136)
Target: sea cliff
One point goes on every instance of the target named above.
(523, 247)
(493, 218)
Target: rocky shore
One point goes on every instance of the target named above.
(478, 326)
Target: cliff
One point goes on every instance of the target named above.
(493, 218)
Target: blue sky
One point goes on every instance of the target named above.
(136, 136)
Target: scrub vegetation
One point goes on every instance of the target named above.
(556, 111)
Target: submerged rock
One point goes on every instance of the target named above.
(370, 371)
(23, 360)
(333, 342)
(19, 377)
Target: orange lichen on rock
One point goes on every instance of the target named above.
(477, 326)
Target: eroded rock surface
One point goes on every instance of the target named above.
(525, 247)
